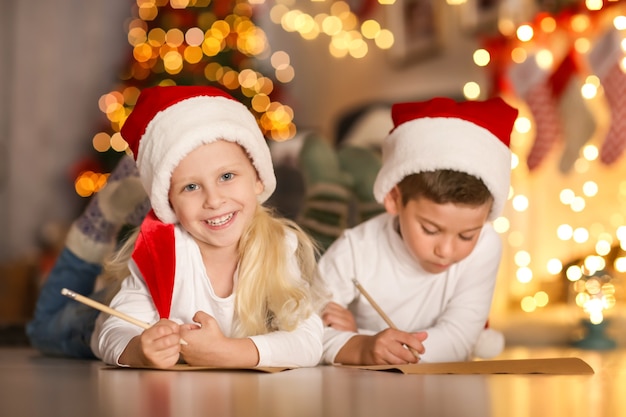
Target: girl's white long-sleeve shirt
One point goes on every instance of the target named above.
(193, 292)
(452, 306)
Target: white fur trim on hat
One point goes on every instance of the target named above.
(430, 144)
(182, 127)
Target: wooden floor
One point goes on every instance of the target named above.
(32, 385)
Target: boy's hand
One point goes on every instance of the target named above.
(389, 347)
(157, 346)
(207, 345)
(392, 347)
(339, 318)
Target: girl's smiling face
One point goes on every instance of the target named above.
(213, 192)
(437, 235)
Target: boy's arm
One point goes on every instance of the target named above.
(345, 340)
(339, 318)
(382, 348)
(386, 347)
(336, 270)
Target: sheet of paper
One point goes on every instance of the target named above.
(557, 366)
(185, 367)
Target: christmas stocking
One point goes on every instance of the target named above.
(577, 120)
(325, 211)
(604, 60)
(532, 84)
(360, 156)
(363, 165)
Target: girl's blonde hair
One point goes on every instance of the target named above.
(269, 294)
(115, 268)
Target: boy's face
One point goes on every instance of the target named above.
(213, 192)
(438, 235)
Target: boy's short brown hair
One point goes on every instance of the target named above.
(445, 186)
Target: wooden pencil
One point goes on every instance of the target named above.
(380, 311)
(106, 309)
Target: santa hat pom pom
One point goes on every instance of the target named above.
(490, 344)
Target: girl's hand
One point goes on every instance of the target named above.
(207, 345)
(339, 318)
(158, 346)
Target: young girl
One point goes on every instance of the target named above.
(222, 280)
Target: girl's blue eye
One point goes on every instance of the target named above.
(191, 187)
(228, 176)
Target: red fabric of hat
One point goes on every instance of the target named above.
(156, 99)
(494, 115)
(155, 257)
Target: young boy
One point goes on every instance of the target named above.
(430, 262)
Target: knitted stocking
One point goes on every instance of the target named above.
(360, 156)
(614, 83)
(121, 202)
(325, 210)
(604, 60)
(532, 85)
(363, 165)
(547, 128)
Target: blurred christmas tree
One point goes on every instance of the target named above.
(190, 42)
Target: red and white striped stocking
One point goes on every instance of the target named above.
(604, 60)
(547, 125)
(614, 84)
(532, 84)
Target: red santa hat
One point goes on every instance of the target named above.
(167, 123)
(470, 136)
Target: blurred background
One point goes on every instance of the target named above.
(71, 71)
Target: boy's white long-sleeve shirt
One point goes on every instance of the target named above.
(193, 292)
(452, 306)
